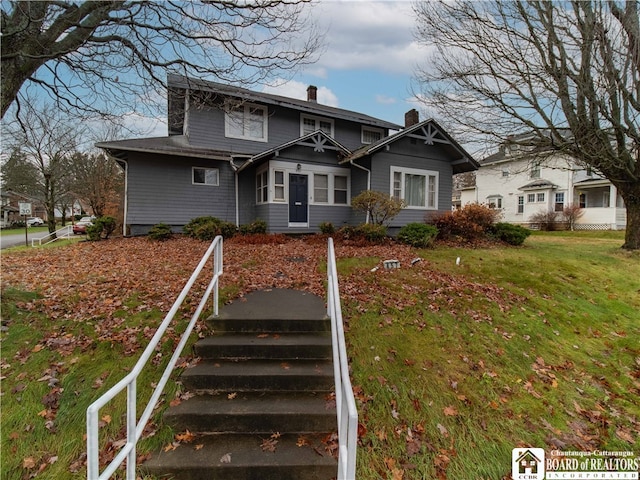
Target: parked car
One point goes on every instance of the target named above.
(80, 227)
(34, 222)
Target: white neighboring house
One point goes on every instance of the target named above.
(522, 184)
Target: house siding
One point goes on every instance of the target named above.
(160, 190)
(408, 154)
(206, 130)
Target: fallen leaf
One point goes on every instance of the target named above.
(450, 411)
(443, 430)
(231, 396)
(624, 434)
(269, 445)
(28, 462)
(106, 419)
(302, 441)
(200, 446)
(397, 474)
(226, 458)
(186, 437)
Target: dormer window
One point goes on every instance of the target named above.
(309, 124)
(246, 121)
(371, 135)
(535, 170)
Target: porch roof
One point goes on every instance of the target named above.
(540, 184)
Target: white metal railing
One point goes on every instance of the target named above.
(135, 427)
(64, 232)
(345, 402)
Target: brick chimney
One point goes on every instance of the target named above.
(411, 117)
(312, 94)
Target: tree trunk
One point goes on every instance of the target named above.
(631, 197)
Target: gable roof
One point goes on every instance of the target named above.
(180, 81)
(430, 133)
(318, 140)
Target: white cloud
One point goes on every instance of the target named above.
(385, 100)
(368, 35)
(295, 89)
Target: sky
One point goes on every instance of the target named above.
(367, 64)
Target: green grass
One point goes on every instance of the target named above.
(450, 384)
(51, 436)
(17, 231)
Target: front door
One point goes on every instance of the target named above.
(298, 199)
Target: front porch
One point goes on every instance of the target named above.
(603, 207)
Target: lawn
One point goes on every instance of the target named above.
(453, 365)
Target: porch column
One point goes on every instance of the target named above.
(613, 204)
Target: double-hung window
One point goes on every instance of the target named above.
(559, 204)
(205, 176)
(262, 187)
(331, 189)
(371, 135)
(246, 121)
(309, 124)
(520, 204)
(418, 188)
(278, 186)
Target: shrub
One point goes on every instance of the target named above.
(571, 214)
(101, 229)
(208, 228)
(327, 228)
(511, 234)
(544, 220)
(253, 228)
(371, 232)
(471, 222)
(418, 235)
(160, 232)
(380, 206)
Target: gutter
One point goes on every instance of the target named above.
(125, 166)
(235, 169)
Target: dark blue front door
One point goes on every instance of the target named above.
(298, 195)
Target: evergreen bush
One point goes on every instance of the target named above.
(160, 232)
(511, 234)
(418, 235)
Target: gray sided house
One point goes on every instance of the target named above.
(241, 156)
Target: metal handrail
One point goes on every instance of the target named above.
(57, 235)
(345, 402)
(136, 427)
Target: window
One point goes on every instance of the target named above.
(309, 124)
(531, 197)
(248, 122)
(330, 188)
(520, 204)
(494, 202)
(535, 170)
(540, 197)
(371, 135)
(205, 176)
(262, 187)
(559, 203)
(278, 193)
(418, 188)
(340, 190)
(582, 200)
(320, 188)
(505, 172)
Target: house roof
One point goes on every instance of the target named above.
(430, 133)
(314, 108)
(538, 184)
(172, 145)
(319, 140)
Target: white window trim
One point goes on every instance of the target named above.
(309, 170)
(370, 129)
(228, 133)
(316, 119)
(259, 173)
(217, 170)
(416, 171)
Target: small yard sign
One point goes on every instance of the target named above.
(25, 208)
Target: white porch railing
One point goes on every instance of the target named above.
(345, 402)
(61, 233)
(135, 427)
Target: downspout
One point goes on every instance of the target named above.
(368, 180)
(125, 166)
(234, 167)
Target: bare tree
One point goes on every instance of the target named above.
(567, 72)
(96, 56)
(98, 180)
(47, 139)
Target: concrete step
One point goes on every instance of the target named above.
(268, 325)
(243, 457)
(263, 413)
(260, 375)
(276, 346)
